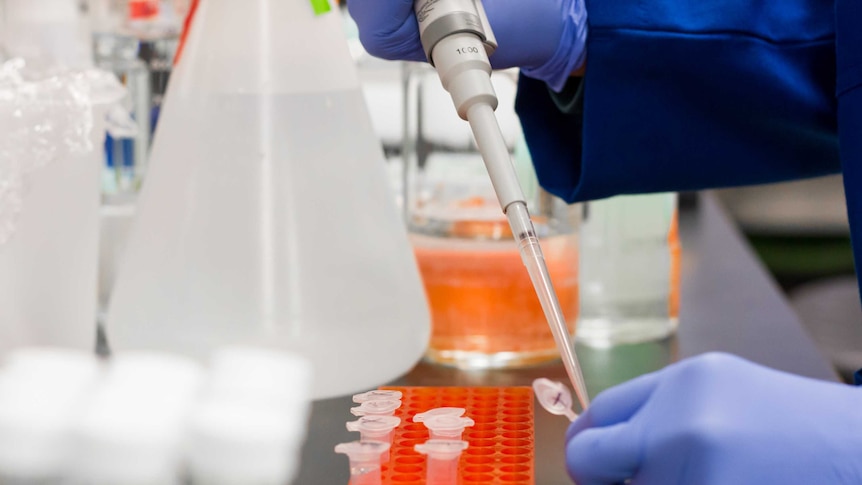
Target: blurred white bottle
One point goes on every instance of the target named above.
(134, 429)
(42, 393)
(53, 32)
(233, 443)
(626, 271)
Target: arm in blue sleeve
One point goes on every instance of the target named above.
(690, 94)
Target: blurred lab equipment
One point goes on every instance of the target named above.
(629, 262)
(42, 393)
(48, 32)
(134, 428)
(237, 444)
(266, 217)
(145, 418)
(52, 127)
(136, 40)
(483, 306)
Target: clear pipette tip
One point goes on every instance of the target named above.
(534, 260)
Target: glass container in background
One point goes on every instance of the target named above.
(485, 312)
(47, 32)
(629, 262)
(52, 127)
(266, 218)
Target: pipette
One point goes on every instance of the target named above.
(457, 40)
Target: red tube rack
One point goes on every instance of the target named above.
(501, 450)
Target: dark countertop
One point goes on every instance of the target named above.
(728, 303)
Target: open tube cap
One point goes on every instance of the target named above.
(421, 417)
(448, 426)
(554, 397)
(377, 395)
(381, 425)
(376, 408)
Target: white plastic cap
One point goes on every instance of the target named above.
(447, 426)
(377, 395)
(374, 426)
(376, 408)
(421, 417)
(231, 443)
(133, 430)
(261, 376)
(42, 392)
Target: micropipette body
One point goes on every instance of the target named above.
(457, 41)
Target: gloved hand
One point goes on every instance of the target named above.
(719, 420)
(546, 38)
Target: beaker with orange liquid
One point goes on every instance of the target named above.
(484, 310)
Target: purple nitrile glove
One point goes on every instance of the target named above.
(546, 38)
(718, 420)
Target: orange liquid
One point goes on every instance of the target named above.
(482, 300)
(675, 267)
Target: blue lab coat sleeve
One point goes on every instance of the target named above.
(690, 94)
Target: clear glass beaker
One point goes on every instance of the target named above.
(484, 310)
(52, 129)
(629, 253)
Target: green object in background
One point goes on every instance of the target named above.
(796, 259)
(320, 6)
(607, 367)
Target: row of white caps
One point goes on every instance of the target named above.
(149, 418)
(376, 426)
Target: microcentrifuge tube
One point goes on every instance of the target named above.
(375, 428)
(421, 417)
(376, 408)
(378, 395)
(442, 460)
(447, 427)
(554, 397)
(364, 459)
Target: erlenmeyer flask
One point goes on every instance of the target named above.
(266, 218)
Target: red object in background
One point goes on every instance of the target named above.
(186, 27)
(143, 9)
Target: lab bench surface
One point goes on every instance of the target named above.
(728, 303)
